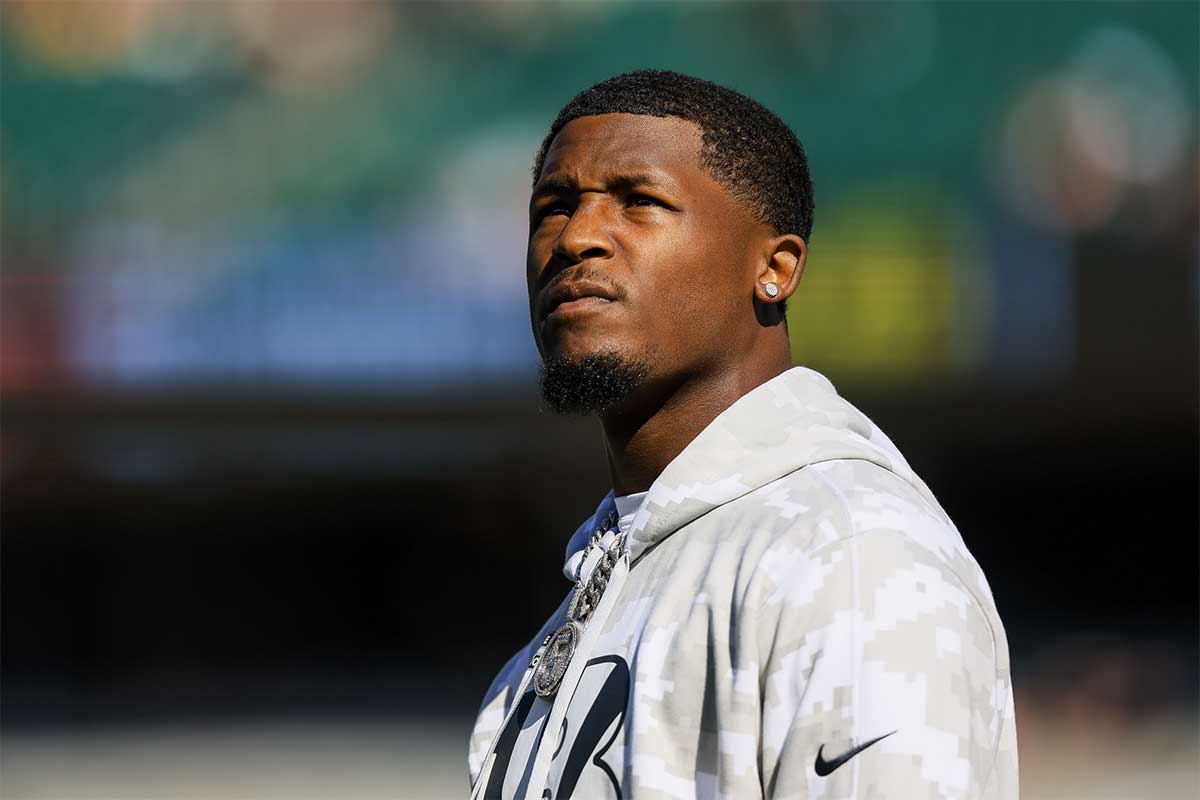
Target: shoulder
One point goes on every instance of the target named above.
(853, 520)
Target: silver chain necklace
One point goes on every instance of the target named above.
(560, 646)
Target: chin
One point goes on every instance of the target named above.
(592, 381)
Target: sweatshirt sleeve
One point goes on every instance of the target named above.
(881, 676)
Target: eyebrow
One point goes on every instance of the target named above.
(629, 180)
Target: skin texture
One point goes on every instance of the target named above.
(659, 262)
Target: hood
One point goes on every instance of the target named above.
(795, 419)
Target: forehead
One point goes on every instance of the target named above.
(588, 148)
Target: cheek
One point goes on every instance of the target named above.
(531, 268)
(698, 278)
(544, 233)
(537, 255)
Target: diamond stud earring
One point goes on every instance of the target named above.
(771, 289)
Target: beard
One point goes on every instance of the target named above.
(591, 384)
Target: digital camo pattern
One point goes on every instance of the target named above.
(794, 589)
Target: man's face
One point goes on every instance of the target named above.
(636, 251)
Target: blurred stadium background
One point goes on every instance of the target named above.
(272, 456)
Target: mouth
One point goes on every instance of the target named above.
(570, 299)
(573, 307)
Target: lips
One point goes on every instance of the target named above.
(575, 296)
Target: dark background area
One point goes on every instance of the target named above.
(259, 578)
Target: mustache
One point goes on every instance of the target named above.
(580, 274)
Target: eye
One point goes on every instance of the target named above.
(641, 201)
(554, 209)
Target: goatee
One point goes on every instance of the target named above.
(591, 384)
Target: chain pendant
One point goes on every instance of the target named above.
(548, 673)
(553, 666)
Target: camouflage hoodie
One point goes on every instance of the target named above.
(793, 615)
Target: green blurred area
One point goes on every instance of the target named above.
(942, 137)
(872, 88)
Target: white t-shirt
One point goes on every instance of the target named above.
(627, 507)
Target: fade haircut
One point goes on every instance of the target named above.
(745, 147)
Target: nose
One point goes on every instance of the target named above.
(585, 235)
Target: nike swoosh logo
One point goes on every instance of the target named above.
(824, 767)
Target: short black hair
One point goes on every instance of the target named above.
(745, 146)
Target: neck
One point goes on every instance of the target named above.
(644, 438)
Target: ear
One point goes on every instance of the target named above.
(783, 267)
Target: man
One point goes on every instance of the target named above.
(770, 603)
